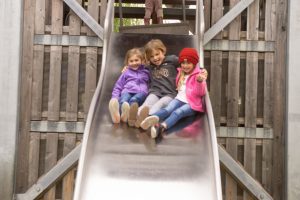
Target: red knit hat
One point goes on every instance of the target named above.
(190, 54)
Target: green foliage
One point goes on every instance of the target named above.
(127, 21)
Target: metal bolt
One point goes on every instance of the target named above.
(261, 196)
(37, 189)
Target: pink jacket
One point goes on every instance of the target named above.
(195, 90)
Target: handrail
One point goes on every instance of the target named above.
(215, 150)
(200, 33)
(45, 182)
(108, 28)
(120, 13)
(183, 11)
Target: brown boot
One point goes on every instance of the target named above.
(142, 115)
(147, 21)
(154, 18)
(160, 20)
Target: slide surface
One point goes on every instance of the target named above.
(120, 162)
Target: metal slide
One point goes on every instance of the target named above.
(120, 162)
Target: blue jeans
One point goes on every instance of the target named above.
(175, 111)
(132, 98)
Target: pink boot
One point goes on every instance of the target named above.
(146, 21)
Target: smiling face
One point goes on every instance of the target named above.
(157, 57)
(187, 67)
(134, 62)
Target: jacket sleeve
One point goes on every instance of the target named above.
(148, 76)
(175, 61)
(119, 86)
(148, 72)
(200, 87)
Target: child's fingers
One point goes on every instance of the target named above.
(201, 77)
(204, 74)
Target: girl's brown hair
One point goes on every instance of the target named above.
(134, 51)
(152, 45)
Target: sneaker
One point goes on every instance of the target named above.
(158, 139)
(149, 121)
(114, 110)
(125, 111)
(132, 114)
(156, 130)
(143, 114)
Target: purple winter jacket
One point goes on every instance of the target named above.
(132, 81)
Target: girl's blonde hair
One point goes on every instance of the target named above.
(154, 44)
(180, 80)
(134, 51)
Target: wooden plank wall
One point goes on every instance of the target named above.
(58, 83)
(241, 90)
(55, 80)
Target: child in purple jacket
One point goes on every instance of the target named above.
(131, 89)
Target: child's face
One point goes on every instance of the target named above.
(157, 57)
(187, 67)
(134, 62)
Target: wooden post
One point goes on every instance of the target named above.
(37, 92)
(233, 101)
(216, 65)
(279, 99)
(72, 102)
(25, 96)
(207, 13)
(267, 153)
(251, 91)
(54, 90)
(91, 60)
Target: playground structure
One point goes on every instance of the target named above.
(244, 101)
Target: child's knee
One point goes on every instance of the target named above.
(178, 112)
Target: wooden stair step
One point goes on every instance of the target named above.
(169, 13)
(174, 28)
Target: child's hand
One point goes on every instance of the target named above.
(124, 69)
(202, 76)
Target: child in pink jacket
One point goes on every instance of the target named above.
(191, 86)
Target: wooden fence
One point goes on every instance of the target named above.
(61, 64)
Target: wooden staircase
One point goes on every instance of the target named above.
(174, 28)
